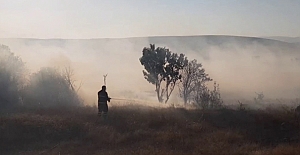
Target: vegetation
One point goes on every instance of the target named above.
(142, 130)
(206, 98)
(44, 126)
(162, 67)
(50, 88)
(46, 88)
(12, 71)
(193, 81)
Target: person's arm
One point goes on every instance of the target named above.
(108, 98)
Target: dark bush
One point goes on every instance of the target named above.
(12, 72)
(50, 88)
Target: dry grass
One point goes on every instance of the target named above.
(144, 130)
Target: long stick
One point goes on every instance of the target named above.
(105, 79)
(124, 99)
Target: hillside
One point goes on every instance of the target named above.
(286, 39)
(201, 44)
(192, 42)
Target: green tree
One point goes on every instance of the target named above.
(162, 68)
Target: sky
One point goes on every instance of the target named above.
(84, 19)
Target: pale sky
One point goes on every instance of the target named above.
(81, 19)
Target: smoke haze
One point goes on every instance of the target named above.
(241, 65)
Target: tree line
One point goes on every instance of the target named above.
(167, 70)
(51, 87)
(48, 87)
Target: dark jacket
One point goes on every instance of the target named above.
(103, 97)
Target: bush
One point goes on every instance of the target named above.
(12, 71)
(207, 99)
(50, 88)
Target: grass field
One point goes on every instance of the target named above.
(147, 130)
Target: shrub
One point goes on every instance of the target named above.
(12, 71)
(49, 87)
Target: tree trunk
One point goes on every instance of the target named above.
(159, 96)
(185, 98)
(171, 90)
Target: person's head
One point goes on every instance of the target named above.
(104, 88)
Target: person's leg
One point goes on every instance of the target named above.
(105, 110)
(99, 109)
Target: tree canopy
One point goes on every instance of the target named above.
(193, 78)
(162, 68)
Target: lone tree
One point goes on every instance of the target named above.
(162, 68)
(193, 78)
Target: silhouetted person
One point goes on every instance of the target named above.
(102, 102)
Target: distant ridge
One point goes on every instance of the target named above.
(275, 38)
(285, 39)
(193, 42)
(210, 38)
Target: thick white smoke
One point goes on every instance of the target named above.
(241, 69)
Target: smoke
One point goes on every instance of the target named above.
(240, 67)
(243, 70)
